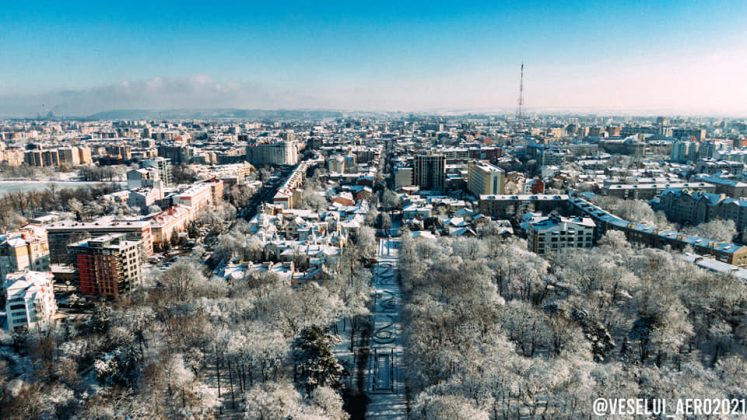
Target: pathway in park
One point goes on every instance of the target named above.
(385, 374)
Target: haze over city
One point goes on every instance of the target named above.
(79, 58)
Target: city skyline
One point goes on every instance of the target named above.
(638, 57)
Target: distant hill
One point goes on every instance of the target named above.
(207, 114)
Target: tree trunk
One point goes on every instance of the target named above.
(230, 381)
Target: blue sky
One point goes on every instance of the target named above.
(408, 55)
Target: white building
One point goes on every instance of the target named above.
(548, 235)
(29, 299)
(273, 153)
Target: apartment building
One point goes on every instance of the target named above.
(430, 172)
(485, 179)
(108, 266)
(11, 156)
(26, 249)
(62, 234)
(29, 300)
(713, 166)
(336, 164)
(143, 178)
(168, 223)
(553, 234)
(647, 191)
(163, 166)
(199, 197)
(287, 194)
(508, 206)
(684, 151)
(694, 207)
(652, 236)
(177, 153)
(697, 134)
(273, 153)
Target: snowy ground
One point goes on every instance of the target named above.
(385, 376)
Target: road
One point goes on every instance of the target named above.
(385, 377)
(265, 194)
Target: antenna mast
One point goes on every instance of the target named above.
(520, 111)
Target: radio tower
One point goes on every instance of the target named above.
(520, 111)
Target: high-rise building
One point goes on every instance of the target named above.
(29, 299)
(108, 266)
(430, 172)
(485, 179)
(163, 165)
(684, 151)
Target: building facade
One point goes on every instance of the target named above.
(62, 234)
(273, 153)
(108, 266)
(29, 300)
(553, 234)
(430, 172)
(26, 249)
(485, 179)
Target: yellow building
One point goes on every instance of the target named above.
(485, 179)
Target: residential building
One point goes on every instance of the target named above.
(729, 187)
(508, 206)
(29, 300)
(697, 134)
(163, 165)
(273, 153)
(199, 197)
(485, 179)
(684, 151)
(712, 167)
(108, 266)
(652, 236)
(647, 191)
(144, 177)
(288, 193)
(682, 205)
(430, 172)
(168, 223)
(62, 234)
(26, 249)
(176, 153)
(549, 235)
(336, 164)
